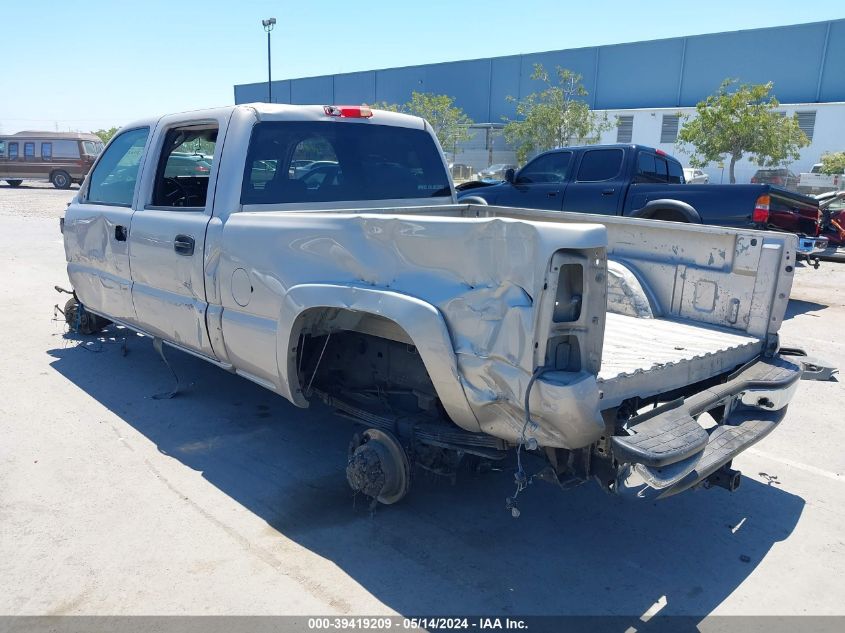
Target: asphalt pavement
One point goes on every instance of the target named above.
(229, 500)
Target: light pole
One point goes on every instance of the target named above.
(268, 25)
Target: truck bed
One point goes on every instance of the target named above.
(640, 354)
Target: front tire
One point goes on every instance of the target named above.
(84, 322)
(14, 183)
(61, 180)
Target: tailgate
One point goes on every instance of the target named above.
(738, 279)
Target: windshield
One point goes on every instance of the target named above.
(92, 148)
(334, 161)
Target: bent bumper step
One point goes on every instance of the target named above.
(667, 451)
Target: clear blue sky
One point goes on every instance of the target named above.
(91, 64)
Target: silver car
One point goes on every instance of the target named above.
(495, 172)
(695, 176)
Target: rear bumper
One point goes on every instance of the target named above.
(666, 451)
(811, 246)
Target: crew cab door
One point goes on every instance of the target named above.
(540, 184)
(167, 237)
(96, 228)
(598, 184)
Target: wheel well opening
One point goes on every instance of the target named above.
(360, 357)
(667, 215)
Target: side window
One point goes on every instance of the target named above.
(47, 151)
(66, 149)
(113, 179)
(662, 169)
(676, 173)
(13, 151)
(184, 166)
(2, 149)
(547, 168)
(600, 164)
(646, 170)
(28, 151)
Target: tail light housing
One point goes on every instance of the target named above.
(760, 215)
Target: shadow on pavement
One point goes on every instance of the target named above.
(34, 184)
(444, 549)
(797, 306)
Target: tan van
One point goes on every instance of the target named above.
(62, 158)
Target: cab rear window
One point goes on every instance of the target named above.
(334, 161)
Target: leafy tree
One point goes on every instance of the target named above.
(106, 135)
(553, 117)
(449, 122)
(732, 123)
(833, 163)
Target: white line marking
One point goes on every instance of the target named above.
(805, 467)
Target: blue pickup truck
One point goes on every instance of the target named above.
(639, 181)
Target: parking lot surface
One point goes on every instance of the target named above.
(229, 500)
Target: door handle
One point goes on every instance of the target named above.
(551, 194)
(608, 192)
(184, 245)
(120, 233)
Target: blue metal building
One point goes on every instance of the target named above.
(806, 62)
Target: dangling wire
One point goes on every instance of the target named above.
(317, 366)
(520, 477)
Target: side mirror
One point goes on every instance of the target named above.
(510, 175)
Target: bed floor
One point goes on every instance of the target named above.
(647, 356)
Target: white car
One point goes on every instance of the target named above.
(694, 176)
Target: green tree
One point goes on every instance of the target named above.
(555, 116)
(739, 120)
(833, 163)
(449, 122)
(106, 135)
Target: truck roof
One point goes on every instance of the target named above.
(633, 146)
(297, 112)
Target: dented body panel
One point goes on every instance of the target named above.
(463, 290)
(581, 315)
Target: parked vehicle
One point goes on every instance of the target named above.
(815, 182)
(301, 164)
(62, 158)
(460, 171)
(780, 177)
(324, 174)
(639, 181)
(187, 165)
(495, 172)
(832, 205)
(445, 330)
(695, 176)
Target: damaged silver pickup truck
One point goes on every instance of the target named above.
(319, 252)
